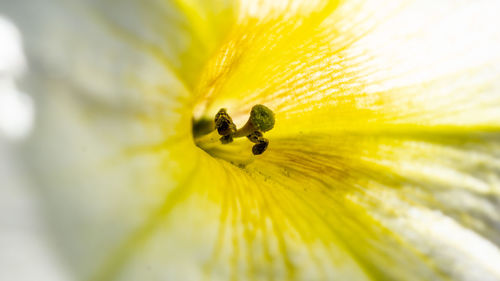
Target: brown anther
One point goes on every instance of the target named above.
(255, 137)
(260, 147)
(224, 124)
(226, 139)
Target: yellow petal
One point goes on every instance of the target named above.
(386, 132)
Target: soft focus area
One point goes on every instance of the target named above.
(25, 250)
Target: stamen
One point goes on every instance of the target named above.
(261, 120)
(226, 139)
(223, 123)
(260, 147)
(255, 136)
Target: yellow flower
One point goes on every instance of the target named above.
(383, 162)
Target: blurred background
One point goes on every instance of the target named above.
(26, 252)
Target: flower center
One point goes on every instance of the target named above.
(217, 137)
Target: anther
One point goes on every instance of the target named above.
(224, 124)
(226, 139)
(261, 142)
(260, 147)
(255, 136)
